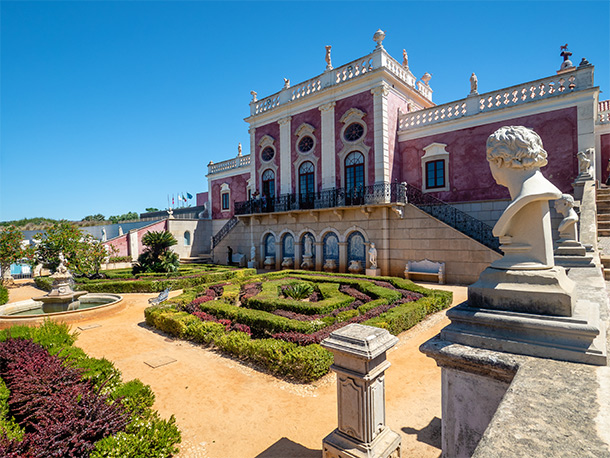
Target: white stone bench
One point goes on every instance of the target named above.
(425, 270)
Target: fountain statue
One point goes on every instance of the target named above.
(61, 298)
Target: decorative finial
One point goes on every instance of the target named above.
(427, 77)
(405, 59)
(567, 63)
(329, 65)
(239, 149)
(254, 95)
(378, 38)
(286, 83)
(474, 84)
(584, 63)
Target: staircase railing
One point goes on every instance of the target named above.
(224, 230)
(455, 218)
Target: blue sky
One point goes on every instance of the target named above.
(108, 107)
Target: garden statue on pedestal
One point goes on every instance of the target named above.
(252, 263)
(307, 263)
(569, 252)
(373, 270)
(523, 303)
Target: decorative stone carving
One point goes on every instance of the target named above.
(254, 95)
(570, 252)
(355, 266)
(426, 78)
(307, 263)
(567, 63)
(329, 65)
(360, 363)
(239, 149)
(287, 263)
(120, 231)
(286, 83)
(330, 265)
(104, 236)
(405, 59)
(253, 253)
(308, 247)
(378, 38)
(474, 84)
(373, 256)
(269, 262)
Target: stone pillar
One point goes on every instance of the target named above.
(328, 145)
(319, 255)
(133, 243)
(297, 254)
(278, 254)
(382, 145)
(360, 364)
(383, 261)
(285, 159)
(342, 257)
(252, 132)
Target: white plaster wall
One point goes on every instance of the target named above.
(201, 232)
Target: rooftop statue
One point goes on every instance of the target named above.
(474, 84)
(329, 65)
(515, 156)
(405, 59)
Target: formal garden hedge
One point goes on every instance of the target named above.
(278, 320)
(123, 281)
(55, 401)
(3, 295)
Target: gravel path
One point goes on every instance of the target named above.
(226, 409)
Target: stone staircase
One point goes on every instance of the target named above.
(603, 224)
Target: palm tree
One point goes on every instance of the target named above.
(157, 256)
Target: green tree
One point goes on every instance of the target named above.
(131, 216)
(84, 255)
(12, 251)
(98, 217)
(157, 257)
(152, 209)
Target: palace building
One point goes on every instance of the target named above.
(360, 154)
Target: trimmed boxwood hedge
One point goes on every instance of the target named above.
(304, 363)
(3, 295)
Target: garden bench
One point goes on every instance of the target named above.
(425, 270)
(162, 297)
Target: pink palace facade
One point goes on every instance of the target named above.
(361, 154)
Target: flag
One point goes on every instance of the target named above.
(189, 195)
(172, 200)
(183, 198)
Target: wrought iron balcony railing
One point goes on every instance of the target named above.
(453, 217)
(330, 198)
(375, 194)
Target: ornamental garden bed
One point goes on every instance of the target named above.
(277, 320)
(123, 281)
(55, 401)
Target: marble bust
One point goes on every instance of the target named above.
(567, 227)
(515, 156)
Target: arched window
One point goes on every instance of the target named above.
(354, 178)
(331, 247)
(187, 238)
(288, 246)
(270, 245)
(356, 248)
(306, 184)
(307, 242)
(268, 183)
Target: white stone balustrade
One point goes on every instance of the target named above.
(603, 113)
(377, 59)
(239, 161)
(577, 80)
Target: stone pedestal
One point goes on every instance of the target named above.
(269, 262)
(373, 272)
(287, 263)
(330, 265)
(360, 364)
(252, 265)
(307, 263)
(571, 253)
(545, 292)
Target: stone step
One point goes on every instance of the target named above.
(603, 217)
(606, 274)
(603, 226)
(605, 262)
(603, 232)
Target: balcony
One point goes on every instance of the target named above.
(383, 193)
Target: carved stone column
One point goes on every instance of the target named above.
(285, 158)
(319, 255)
(382, 145)
(328, 145)
(342, 257)
(360, 364)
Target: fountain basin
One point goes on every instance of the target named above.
(30, 311)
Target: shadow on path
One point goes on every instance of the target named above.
(286, 448)
(430, 434)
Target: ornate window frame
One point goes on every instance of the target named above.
(305, 130)
(297, 165)
(225, 189)
(435, 152)
(264, 142)
(350, 116)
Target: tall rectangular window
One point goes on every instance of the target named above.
(435, 174)
(225, 200)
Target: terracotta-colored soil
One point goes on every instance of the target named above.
(226, 409)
